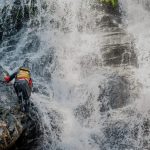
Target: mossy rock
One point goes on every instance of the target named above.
(114, 3)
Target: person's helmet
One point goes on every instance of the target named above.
(25, 65)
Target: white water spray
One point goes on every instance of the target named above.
(81, 34)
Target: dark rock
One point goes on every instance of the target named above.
(116, 54)
(118, 48)
(14, 124)
(83, 112)
(121, 134)
(19, 13)
(115, 93)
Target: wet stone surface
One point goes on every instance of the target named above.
(14, 123)
(114, 94)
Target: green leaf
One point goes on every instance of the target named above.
(114, 3)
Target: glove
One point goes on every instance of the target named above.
(30, 82)
(7, 78)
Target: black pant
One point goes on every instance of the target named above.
(23, 87)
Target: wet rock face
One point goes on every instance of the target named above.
(83, 112)
(14, 16)
(116, 133)
(119, 54)
(112, 15)
(10, 119)
(118, 48)
(115, 137)
(124, 134)
(32, 135)
(114, 94)
(13, 122)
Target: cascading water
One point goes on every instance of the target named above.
(89, 63)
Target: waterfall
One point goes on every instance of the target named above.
(90, 66)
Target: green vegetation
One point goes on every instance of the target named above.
(112, 2)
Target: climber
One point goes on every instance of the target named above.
(23, 84)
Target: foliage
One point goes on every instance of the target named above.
(112, 2)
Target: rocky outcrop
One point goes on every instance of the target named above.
(118, 52)
(14, 124)
(115, 93)
(118, 47)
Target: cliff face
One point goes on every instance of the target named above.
(13, 122)
(85, 66)
(20, 20)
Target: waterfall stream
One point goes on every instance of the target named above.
(90, 66)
